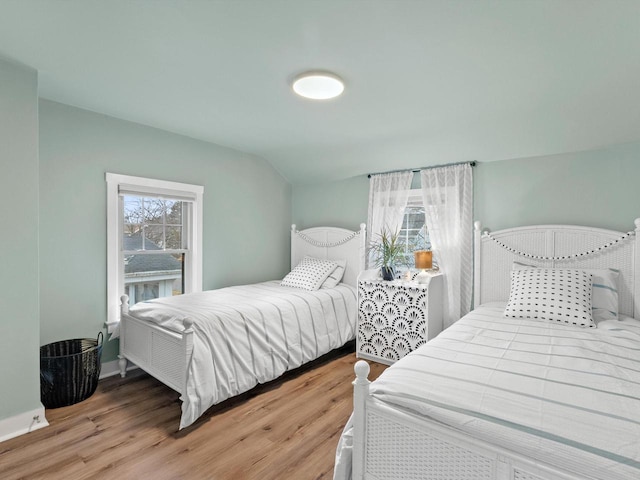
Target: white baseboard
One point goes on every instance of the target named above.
(109, 369)
(22, 423)
(35, 419)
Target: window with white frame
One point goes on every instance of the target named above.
(413, 233)
(154, 242)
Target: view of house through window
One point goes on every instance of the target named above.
(153, 247)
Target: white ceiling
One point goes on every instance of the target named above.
(428, 82)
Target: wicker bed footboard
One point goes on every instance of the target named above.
(162, 353)
(393, 444)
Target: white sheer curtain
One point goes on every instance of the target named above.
(388, 196)
(447, 193)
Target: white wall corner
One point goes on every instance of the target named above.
(22, 423)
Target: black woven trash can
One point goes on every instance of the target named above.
(69, 371)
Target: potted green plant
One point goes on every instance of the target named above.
(386, 251)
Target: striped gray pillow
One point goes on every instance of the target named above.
(335, 277)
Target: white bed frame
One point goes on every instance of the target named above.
(394, 444)
(165, 354)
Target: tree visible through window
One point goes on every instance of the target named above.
(158, 219)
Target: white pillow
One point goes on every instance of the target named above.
(335, 277)
(309, 274)
(553, 294)
(604, 297)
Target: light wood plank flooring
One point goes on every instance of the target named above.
(286, 429)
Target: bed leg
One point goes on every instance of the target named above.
(124, 310)
(187, 340)
(122, 365)
(360, 394)
(636, 270)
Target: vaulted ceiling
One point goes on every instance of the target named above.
(427, 82)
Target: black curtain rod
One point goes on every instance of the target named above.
(473, 164)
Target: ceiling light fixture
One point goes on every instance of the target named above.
(318, 85)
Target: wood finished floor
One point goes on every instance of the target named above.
(286, 429)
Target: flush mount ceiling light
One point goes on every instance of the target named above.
(318, 85)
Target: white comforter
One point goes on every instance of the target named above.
(251, 334)
(563, 395)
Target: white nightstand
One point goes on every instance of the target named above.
(396, 317)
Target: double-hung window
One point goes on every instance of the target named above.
(154, 242)
(413, 233)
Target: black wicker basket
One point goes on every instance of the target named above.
(69, 371)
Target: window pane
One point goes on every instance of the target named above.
(413, 233)
(152, 223)
(150, 276)
(146, 291)
(173, 237)
(153, 209)
(153, 237)
(174, 212)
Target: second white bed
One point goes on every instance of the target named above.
(564, 396)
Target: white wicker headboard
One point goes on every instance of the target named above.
(496, 251)
(331, 243)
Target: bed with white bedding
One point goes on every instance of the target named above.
(213, 345)
(494, 397)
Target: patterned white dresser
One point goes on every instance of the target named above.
(396, 317)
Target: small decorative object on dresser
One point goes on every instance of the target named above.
(422, 255)
(423, 260)
(396, 317)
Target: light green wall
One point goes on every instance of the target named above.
(247, 211)
(340, 204)
(597, 188)
(19, 326)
